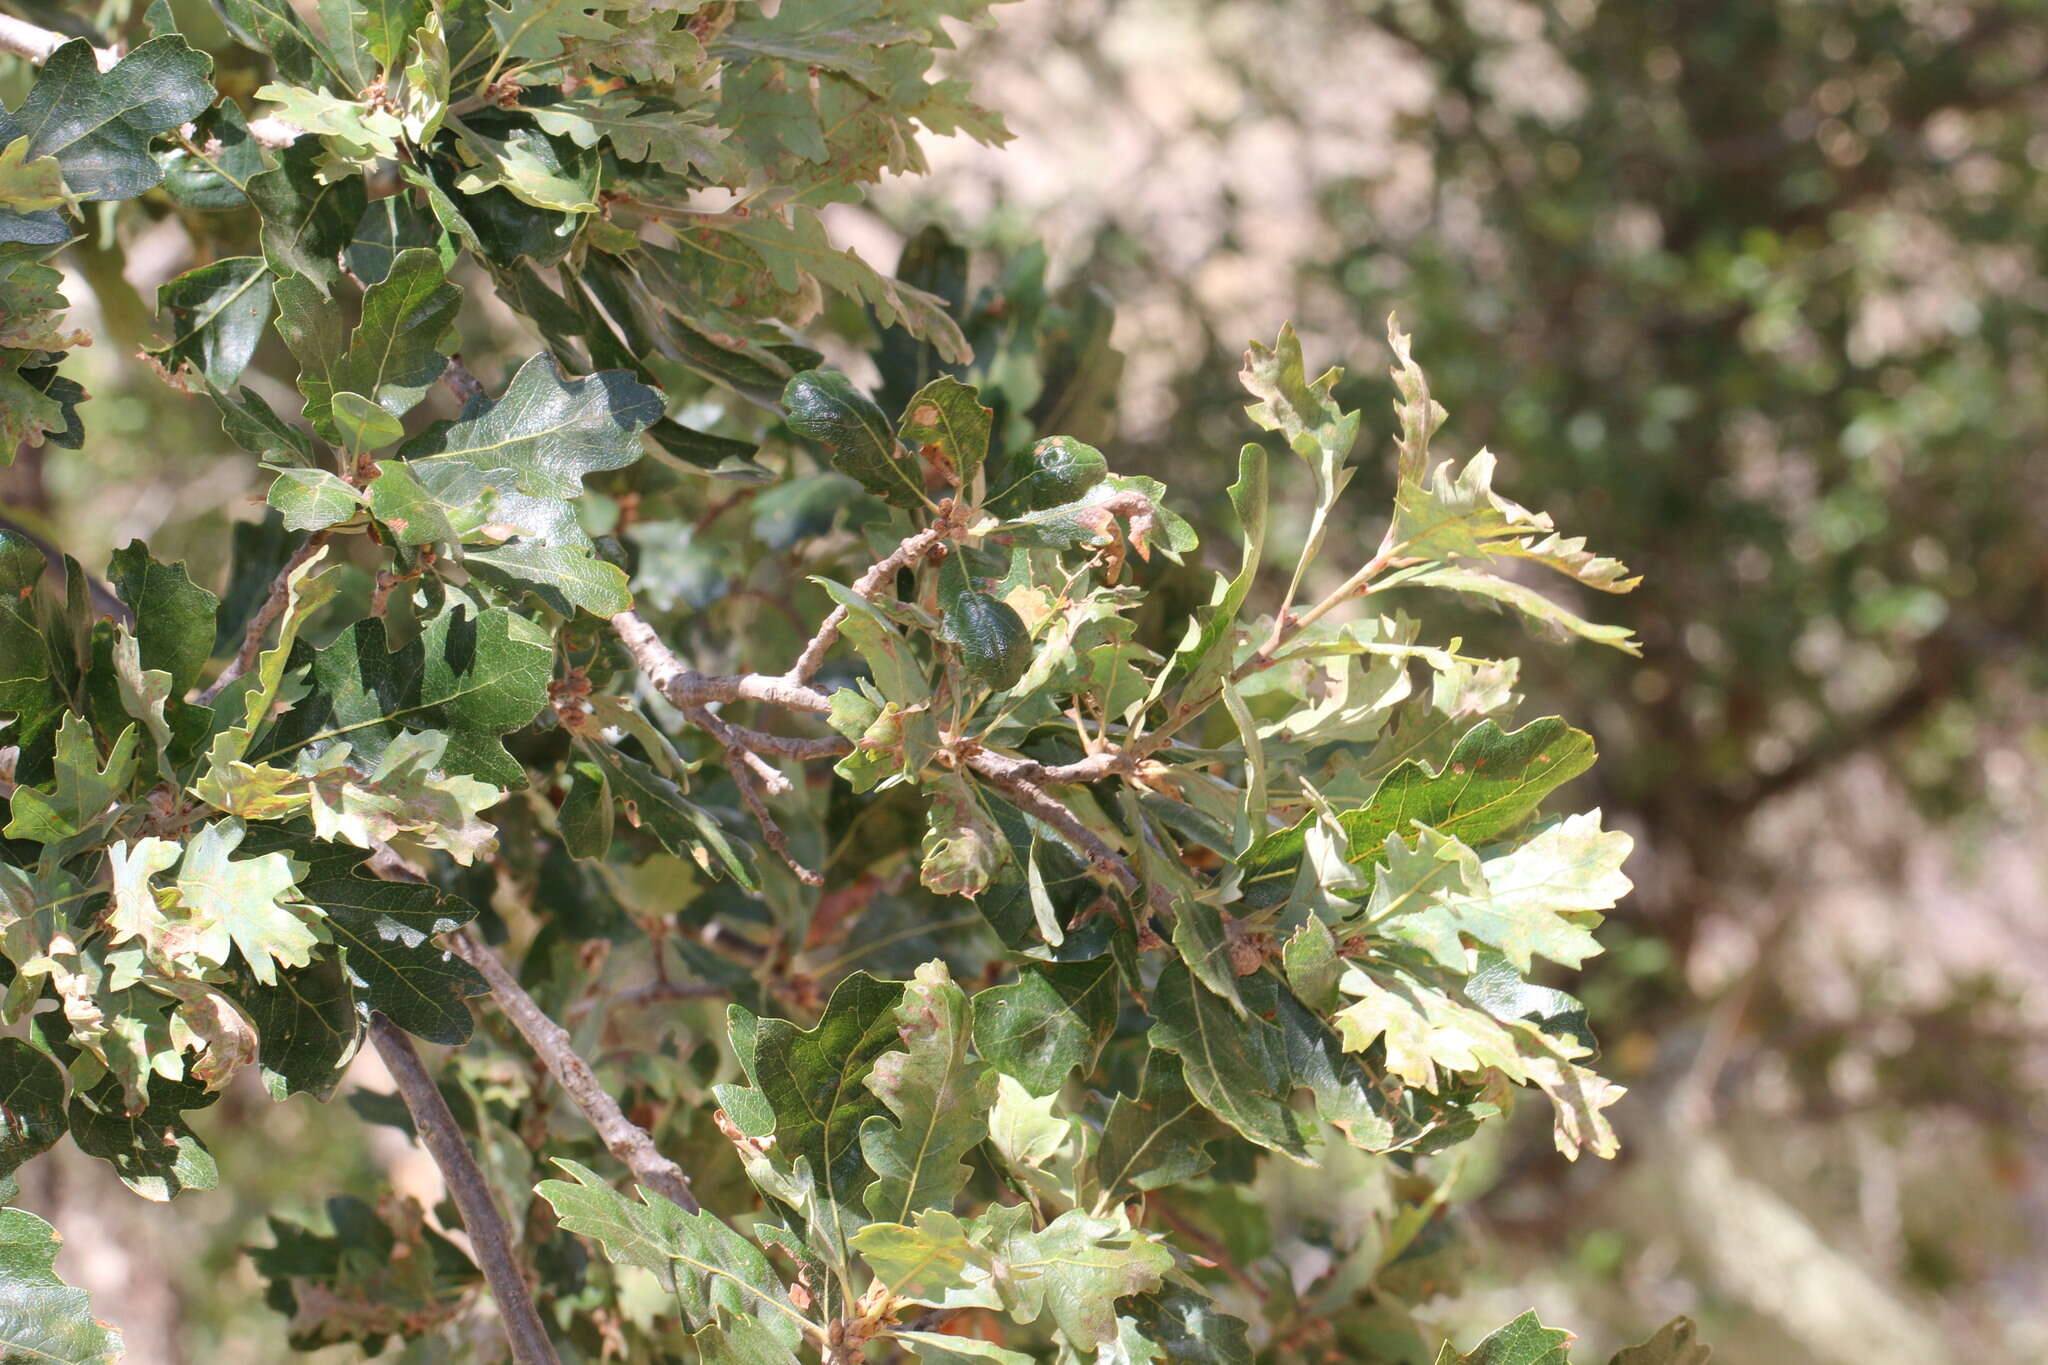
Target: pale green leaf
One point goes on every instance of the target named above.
(939, 1097)
(1525, 1341)
(249, 902)
(1491, 782)
(82, 788)
(697, 1256)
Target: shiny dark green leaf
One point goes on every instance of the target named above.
(98, 124)
(31, 1104)
(825, 406)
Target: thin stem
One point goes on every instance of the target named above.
(488, 1235)
(686, 688)
(1357, 585)
(24, 39)
(653, 993)
(788, 746)
(625, 1139)
(753, 774)
(865, 587)
(1001, 774)
(260, 623)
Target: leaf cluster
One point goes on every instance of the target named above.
(1255, 899)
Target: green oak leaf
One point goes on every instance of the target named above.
(586, 817)
(682, 827)
(546, 172)
(1463, 519)
(1428, 1035)
(934, 1260)
(566, 576)
(41, 1317)
(962, 848)
(1525, 1341)
(28, 671)
(1539, 610)
(387, 25)
(1203, 939)
(359, 425)
(939, 1096)
(386, 931)
(1090, 520)
(388, 226)
(1204, 654)
(1188, 1329)
(476, 678)
(1052, 1019)
(308, 587)
(174, 617)
(394, 354)
(798, 247)
(311, 326)
(1247, 1069)
(251, 423)
(939, 1348)
(82, 789)
(946, 422)
(639, 128)
(813, 1082)
(216, 313)
(825, 406)
(306, 1023)
(1156, 1138)
(1542, 896)
(405, 801)
(513, 469)
(1496, 987)
(274, 28)
(98, 124)
(314, 499)
(1312, 965)
(1306, 414)
(1492, 781)
(1037, 1144)
(212, 172)
(697, 1257)
(31, 187)
(1676, 1343)
(153, 1151)
(1073, 1271)
(306, 222)
(361, 132)
(31, 1109)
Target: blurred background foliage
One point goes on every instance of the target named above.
(1752, 295)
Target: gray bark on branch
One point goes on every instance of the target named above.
(489, 1237)
(622, 1137)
